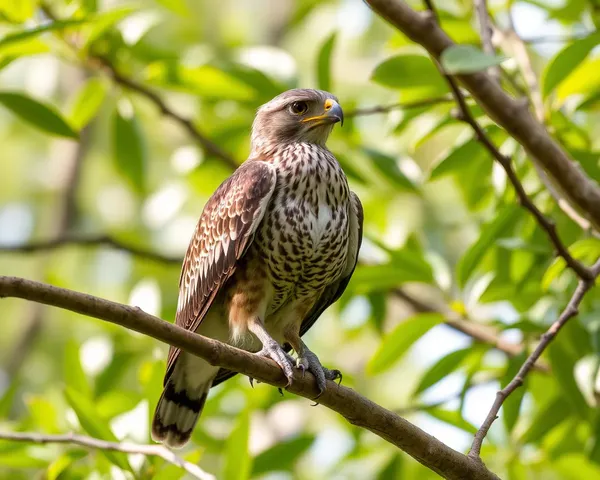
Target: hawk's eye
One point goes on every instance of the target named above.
(299, 108)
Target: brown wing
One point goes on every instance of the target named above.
(223, 233)
(334, 291)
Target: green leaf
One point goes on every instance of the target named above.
(238, 462)
(324, 63)
(389, 168)
(281, 456)
(489, 234)
(586, 250)
(562, 361)
(566, 61)
(465, 59)
(41, 116)
(371, 278)
(129, 150)
(43, 413)
(93, 423)
(512, 405)
(554, 412)
(395, 344)
(18, 11)
(73, 373)
(452, 417)
(87, 102)
(8, 397)
(413, 73)
(116, 402)
(393, 469)
(176, 6)
(442, 368)
(30, 33)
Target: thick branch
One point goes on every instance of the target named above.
(90, 241)
(509, 113)
(357, 409)
(149, 450)
(569, 312)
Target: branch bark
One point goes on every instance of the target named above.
(512, 115)
(357, 409)
(148, 450)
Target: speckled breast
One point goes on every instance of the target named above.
(303, 237)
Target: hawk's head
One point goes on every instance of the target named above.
(298, 115)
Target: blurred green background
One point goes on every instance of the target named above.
(85, 158)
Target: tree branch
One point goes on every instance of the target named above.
(569, 312)
(91, 241)
(509, 113)
(357, 409)
(485, 28)
(399, 106)
(466, 116)
(148, 450)
(479, 333)
(102, 63)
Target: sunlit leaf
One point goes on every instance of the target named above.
(489, 233)
(18, 10)
(389, 168)
(87, 102)
(324, 63)
(412, 73)
(28, 33)
(41, 116)
(177, 6)
(238, 462)
(281, 456)
(75, 377)
(566, 61)
(396, 343)
(452, 417)
(43, 413)
(442, 368)
(465, 59)
(392, 470)
(129, 150)
(549, 416)
(93, 423)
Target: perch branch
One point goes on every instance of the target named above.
(357, 409)
(95, 443)
(511, 114)
(569, 312)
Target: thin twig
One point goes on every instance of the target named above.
(102, 63)
(486, 31)
(569, 312)
(90, 241)
(98, 444)
(479, 333)
(549, 226)
(399, 106)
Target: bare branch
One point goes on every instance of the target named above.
(148, 450)
(399, 106)
(479, 333)
(486, 31)
(357, 409)
(569, 312)
(509, 113)
(91, 241)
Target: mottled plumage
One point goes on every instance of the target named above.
(276, 244)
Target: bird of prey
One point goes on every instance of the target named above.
(275, 246)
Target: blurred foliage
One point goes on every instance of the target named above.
(441, 224)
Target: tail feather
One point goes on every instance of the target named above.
(179, 408)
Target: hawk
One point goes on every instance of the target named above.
(275, 246)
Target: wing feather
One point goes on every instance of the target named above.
(224, 232)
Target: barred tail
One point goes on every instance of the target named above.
(179, 406)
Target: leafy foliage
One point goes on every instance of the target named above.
(110, 108)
